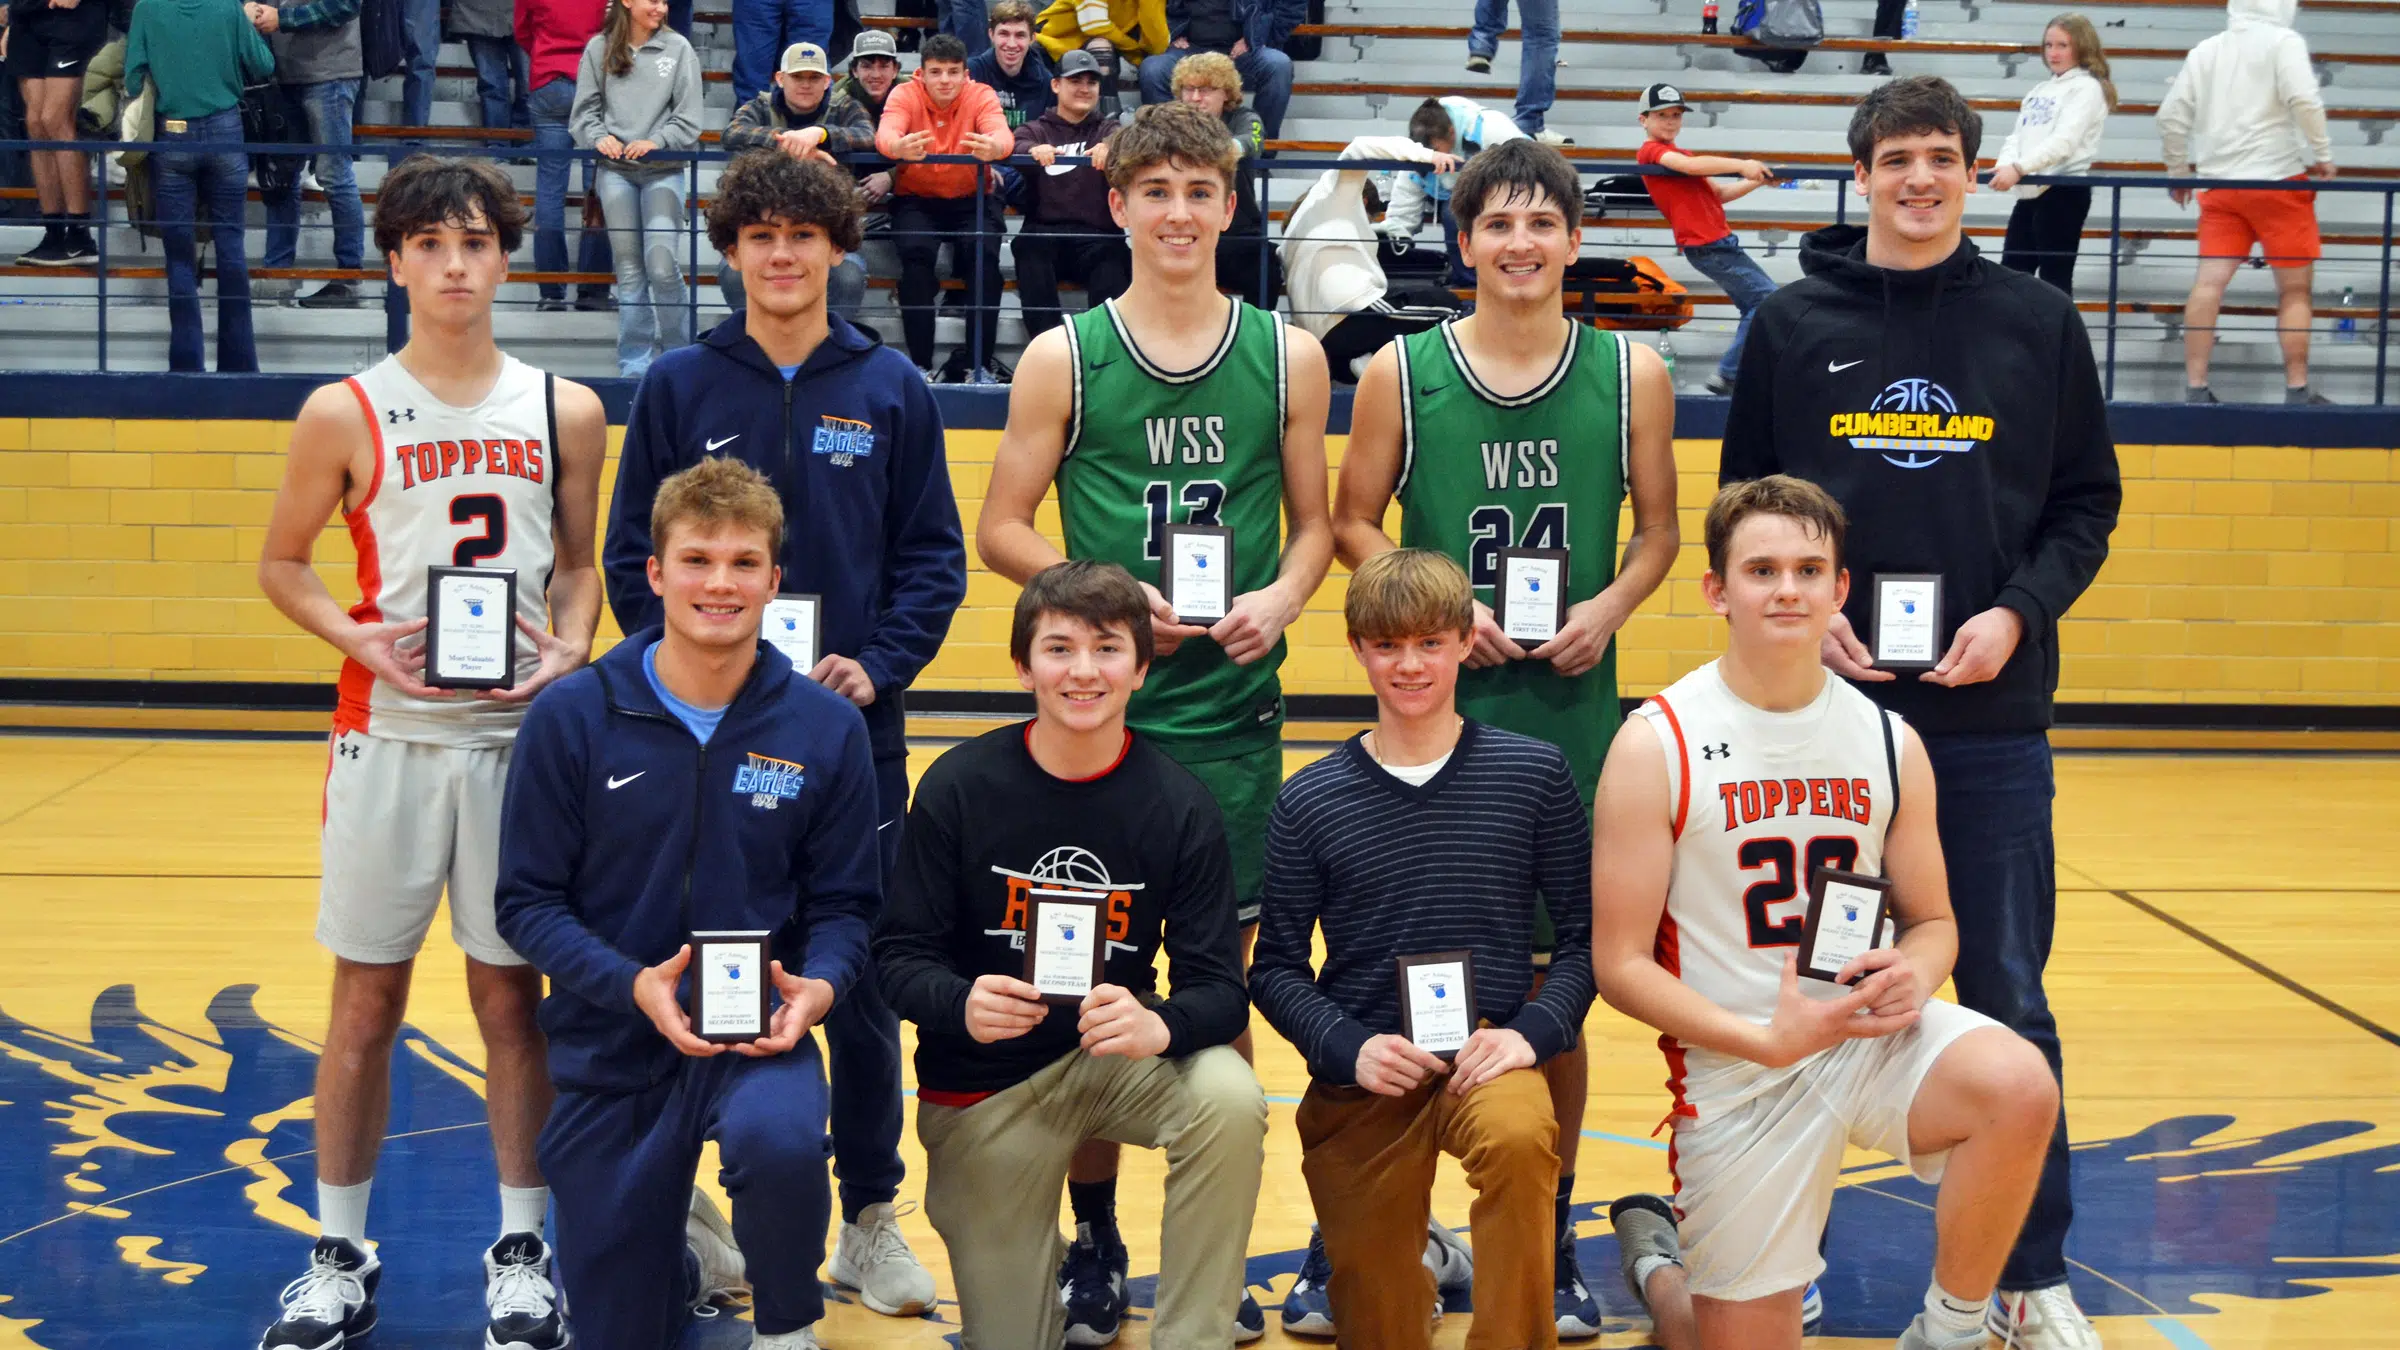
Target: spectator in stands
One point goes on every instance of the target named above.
(2057, 133)
(1333, 263)
(553, 34)
(962, 19)
(942, 112)
(1068, 232)
(49, 42)
(1252, 32)
(489, 28)
(805, 118)
(1692, 197)
(874, 70)
(763, 29)
(638, 91)
(1457, 126)
(200, 53)
(1211, 82)
(1011, 67)
(1537, 58)
(317, 58)
(421, 27)
(1108, 29)
(2249, 97)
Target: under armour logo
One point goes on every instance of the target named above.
(396, 416)
(1721, 750)
(347, 749)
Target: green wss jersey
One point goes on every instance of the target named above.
(1547, 469)
(1148, 448)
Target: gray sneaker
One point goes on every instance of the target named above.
(1645, 1227)
(1917, 1337)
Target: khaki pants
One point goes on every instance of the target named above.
(1369, 1162)
(994, 1172)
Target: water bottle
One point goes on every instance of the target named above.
(1708, 16)
(1908, 20)
(1666, 353)
(2345, 328)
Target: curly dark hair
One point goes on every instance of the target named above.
(427, 192)
(1914, 106)
(768, 185)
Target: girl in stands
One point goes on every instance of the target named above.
(2057, 132)
(636, 92)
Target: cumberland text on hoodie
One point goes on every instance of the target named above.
(1956, 414)
(2058, 129)
(853, 445)
(621, 835)
(2245, 104)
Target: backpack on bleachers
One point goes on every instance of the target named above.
(383, 37)
(1633, 294)
(1789, 26)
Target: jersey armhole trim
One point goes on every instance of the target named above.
(366, 408)
(1074, 388)
(1624, 415)
(1891, 758)
(1408, 418)
(1683, 765)
(1283, 382)
(550, 411)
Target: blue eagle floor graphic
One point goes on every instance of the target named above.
(153, 1184)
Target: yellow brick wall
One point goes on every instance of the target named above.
(2239, 574)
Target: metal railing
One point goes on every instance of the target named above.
(2123, 241)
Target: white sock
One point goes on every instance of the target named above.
(1951, 1316)
(342, 1211)
(1646, 1266)
(523, 1209)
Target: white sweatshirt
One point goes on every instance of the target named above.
(2058, 128)
(1476, 127)
(2248, 98)
(1330, 267)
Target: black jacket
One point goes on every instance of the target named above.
(1956, 414)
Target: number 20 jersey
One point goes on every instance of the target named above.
(1760, 801)
(464, 487)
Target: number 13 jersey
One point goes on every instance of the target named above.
(453, 487)
(1761, 800)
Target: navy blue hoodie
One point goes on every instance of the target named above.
(620, 834)
(853, 443)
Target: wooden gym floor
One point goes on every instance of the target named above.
(2223, 979)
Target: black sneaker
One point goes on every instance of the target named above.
(330, 1306)
(51, 252)
(1249, 1322)
(77, 248)
(1091, 1283)
(993, 371)
(1875, 64)
(1480, 65)
(1577, 1312)
(2198, 393)
(331, 295)
(596, 303)
(517, 1292)
(1307, 1311)
(554, 304)
(955, 370)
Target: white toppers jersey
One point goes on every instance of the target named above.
(453, 487)
(1761, 800)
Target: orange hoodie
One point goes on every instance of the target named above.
(910, 110)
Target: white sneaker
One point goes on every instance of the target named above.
(1450, 1259)
(2041, 1319)
(523, 1303)
(1916, 1337)
(1553, 138)
(871, 1257)
(710, 1237)
(803, 1339)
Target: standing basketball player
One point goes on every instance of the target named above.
(1517, 427)
(449, 452)
(1174, 405)
(1719, 805)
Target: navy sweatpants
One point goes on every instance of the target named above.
(862, 1046)
(620, 1172)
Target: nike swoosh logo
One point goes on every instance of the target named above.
(615, 783)
(1833, 369)
(1423, 392)
(712, 445)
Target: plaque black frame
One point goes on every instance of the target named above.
(1097, 903)
(1464, 960)
(1166, 567)
(761, 938)
(816, 637)
(1875, 621)
(1566, 583)
(433, 628)
(1882, 887)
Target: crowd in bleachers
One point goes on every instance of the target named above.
(1007, 84)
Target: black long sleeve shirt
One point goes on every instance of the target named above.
(988, 826)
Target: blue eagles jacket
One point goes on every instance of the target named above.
(854, 444)
(620, 834)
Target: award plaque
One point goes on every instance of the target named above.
(1195, 572)
(471, 627)
(729, 982)
(1846, 913)
(1529, 601)
(1437, 1001)
(795, 624)
(1908, 621)
(1065, 949)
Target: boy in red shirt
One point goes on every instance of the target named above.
(1694, 205)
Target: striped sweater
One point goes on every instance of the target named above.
(1390, 870)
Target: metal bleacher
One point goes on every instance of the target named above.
(1381, 57)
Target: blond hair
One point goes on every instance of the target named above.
(1777, 494)
(1408, 592)
(1171, 133)
(716, 491)
(1209, 70)
(2085, 39)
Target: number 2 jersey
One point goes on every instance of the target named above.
(463, 487)
(1761, 800)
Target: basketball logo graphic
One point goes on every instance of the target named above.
(1913, 422)
(790, 624)
(1071, 866)
(475, 607)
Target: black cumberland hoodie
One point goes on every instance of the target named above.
(1956, 414)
